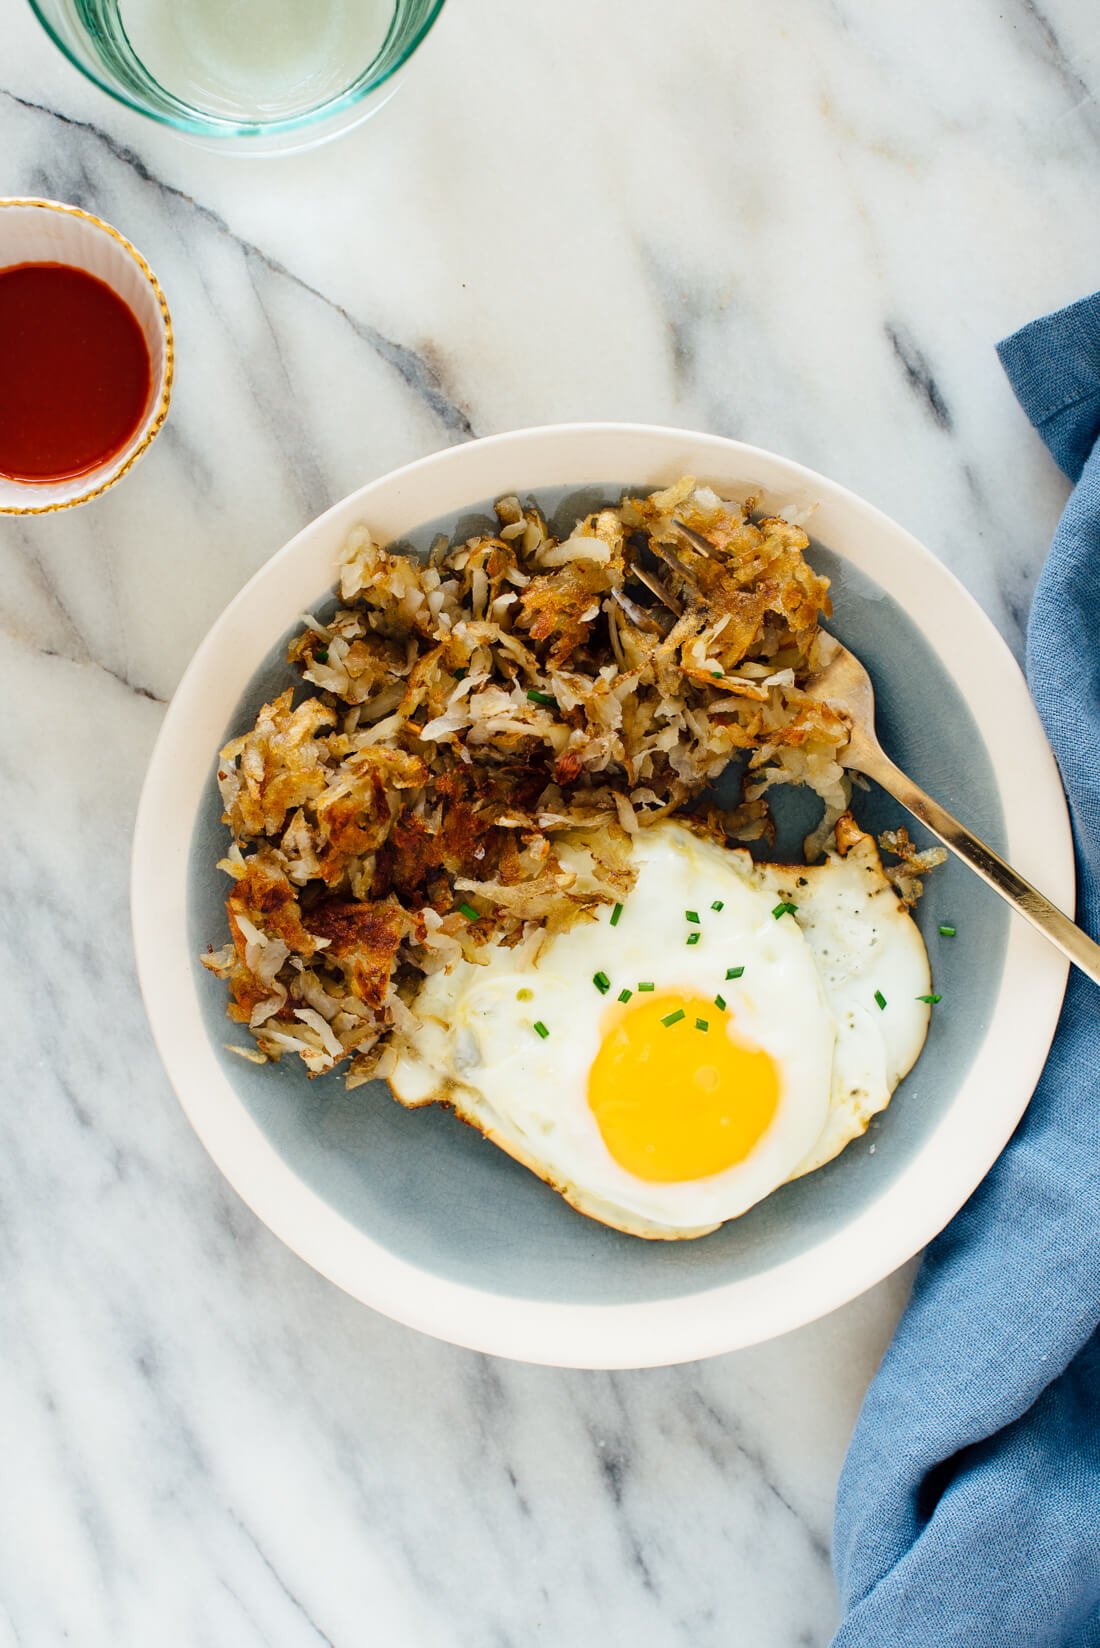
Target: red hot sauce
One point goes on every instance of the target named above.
(75, 374)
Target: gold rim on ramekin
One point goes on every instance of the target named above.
(169, 356)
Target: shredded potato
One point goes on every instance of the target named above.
(472, 711)
(912, 863)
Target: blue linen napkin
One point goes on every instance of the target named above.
(968, 1511)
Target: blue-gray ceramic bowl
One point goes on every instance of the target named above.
(414, 1213)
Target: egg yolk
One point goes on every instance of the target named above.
(673, 1101)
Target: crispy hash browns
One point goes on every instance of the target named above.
(472, 711)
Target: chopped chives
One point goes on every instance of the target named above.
(948, 932)
(719, 904)
(602, 983)
(701, 1024)
(321, 655)
(615, 914)
(692, 915)
(673, 1018)
(538, 697)
(625, 995)
(692, 938)
(881, 999)
(540, 1029)
(646, 987)
(784, 909)
(734, 972)
(931, 1000)
(469, 912)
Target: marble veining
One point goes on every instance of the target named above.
(804, 224)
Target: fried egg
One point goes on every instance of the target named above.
(671, 1063)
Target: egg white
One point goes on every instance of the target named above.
(807, 996)
(865, 944)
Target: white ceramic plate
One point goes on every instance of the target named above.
(415, 1215)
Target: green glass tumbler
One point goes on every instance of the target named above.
(252, 76)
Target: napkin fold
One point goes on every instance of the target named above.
(968, 1511)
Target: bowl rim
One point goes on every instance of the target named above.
(151, 425)
(931, 1187)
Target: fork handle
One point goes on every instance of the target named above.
(1042, 914)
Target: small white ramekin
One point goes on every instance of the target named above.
(45, 231)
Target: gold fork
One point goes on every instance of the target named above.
(843, 683)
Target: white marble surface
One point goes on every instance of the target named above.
(803, 223)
